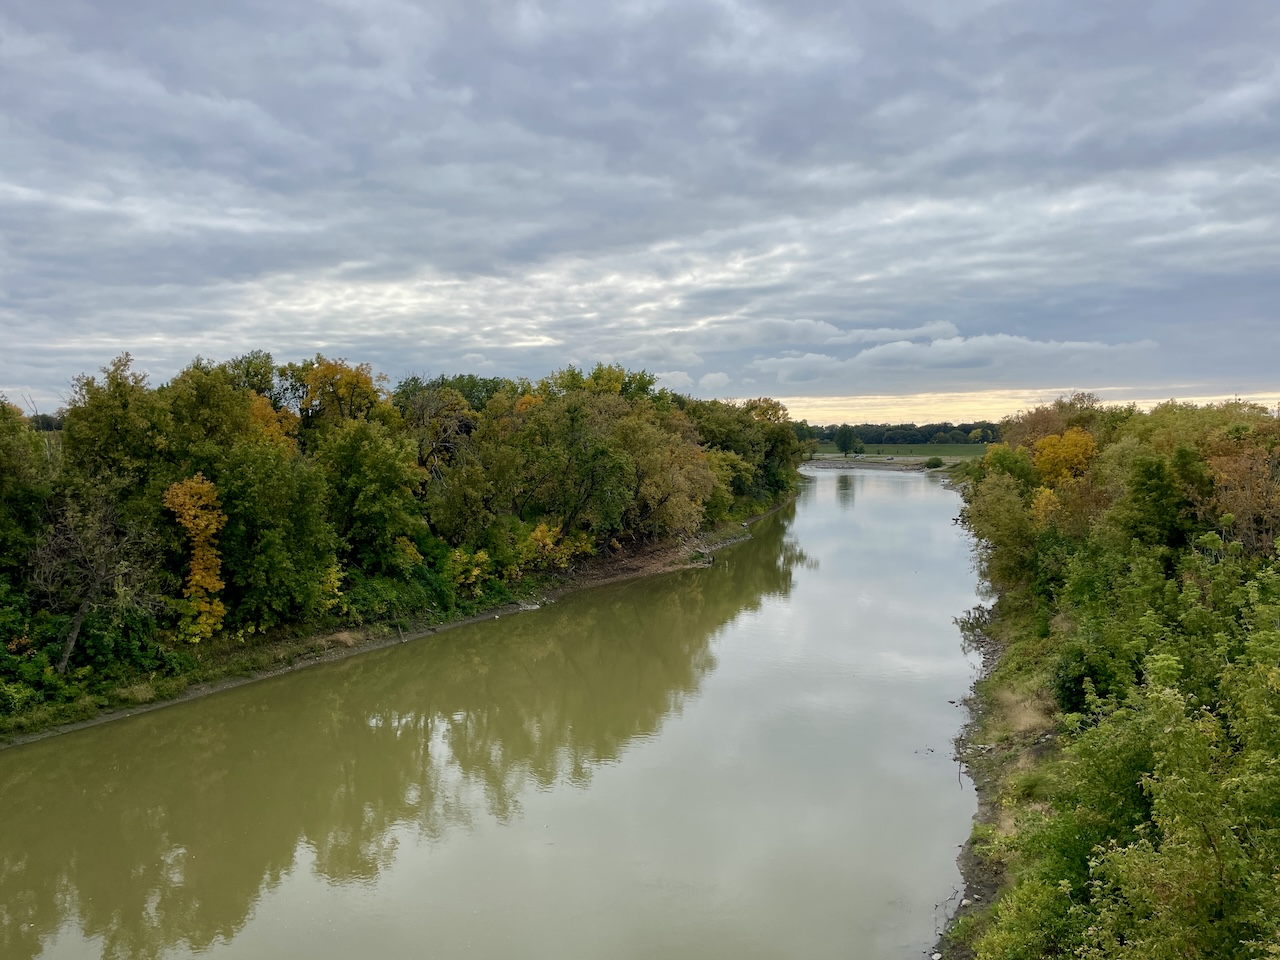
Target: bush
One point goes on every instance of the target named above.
(1077, 664)
(933, 463)
(15, 697)
(370, 597)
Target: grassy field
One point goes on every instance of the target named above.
(913, 449)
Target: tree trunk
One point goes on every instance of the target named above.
(72, 635)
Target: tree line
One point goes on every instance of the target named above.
(1134, 558)
(246, 500)
(869, 434)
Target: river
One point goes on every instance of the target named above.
(751, 760)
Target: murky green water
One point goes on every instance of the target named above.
(747, 761)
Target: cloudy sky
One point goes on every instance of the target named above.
(976, 201)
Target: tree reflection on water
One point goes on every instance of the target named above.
(166, 829)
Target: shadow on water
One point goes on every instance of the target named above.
(165, 829)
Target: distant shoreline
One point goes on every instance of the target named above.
(901, 465)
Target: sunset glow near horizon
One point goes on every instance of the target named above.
(968, 407)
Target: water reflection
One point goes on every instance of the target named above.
(166, 829)
(845, 490)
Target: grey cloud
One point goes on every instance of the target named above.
(692, 186)
(954, 361)
(981, 351)
(931, 331)
(675, 380)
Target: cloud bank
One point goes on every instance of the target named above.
(862, 198)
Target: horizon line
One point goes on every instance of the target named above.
(959, 406)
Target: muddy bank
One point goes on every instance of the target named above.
(630, 561)
(981, 877)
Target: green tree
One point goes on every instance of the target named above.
(847, 441)
(671, 479)
(460, 500)
(278, 546)
(26, 474)
(579, 470)
(255, 371)
(1156, 510)
(760, 433)
(93, 560)
(997, 516)
(373, 479)
(116, 429)
(1012, 462)
(205, 415)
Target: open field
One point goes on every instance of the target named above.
(913, 449)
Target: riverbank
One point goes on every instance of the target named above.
(1010, 733)
(227, 669)
(900, 465)
(1127, 729)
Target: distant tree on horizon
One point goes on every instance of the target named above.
(847, 441)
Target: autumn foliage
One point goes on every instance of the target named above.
(1135, 563)
(195, 503)
(146, 527)
(1063, 457)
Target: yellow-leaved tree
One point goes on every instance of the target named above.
(1059, 458)
(337, 391)
(278, 427)
(195, 503)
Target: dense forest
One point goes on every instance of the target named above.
(144, 526)
(1134, 561)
